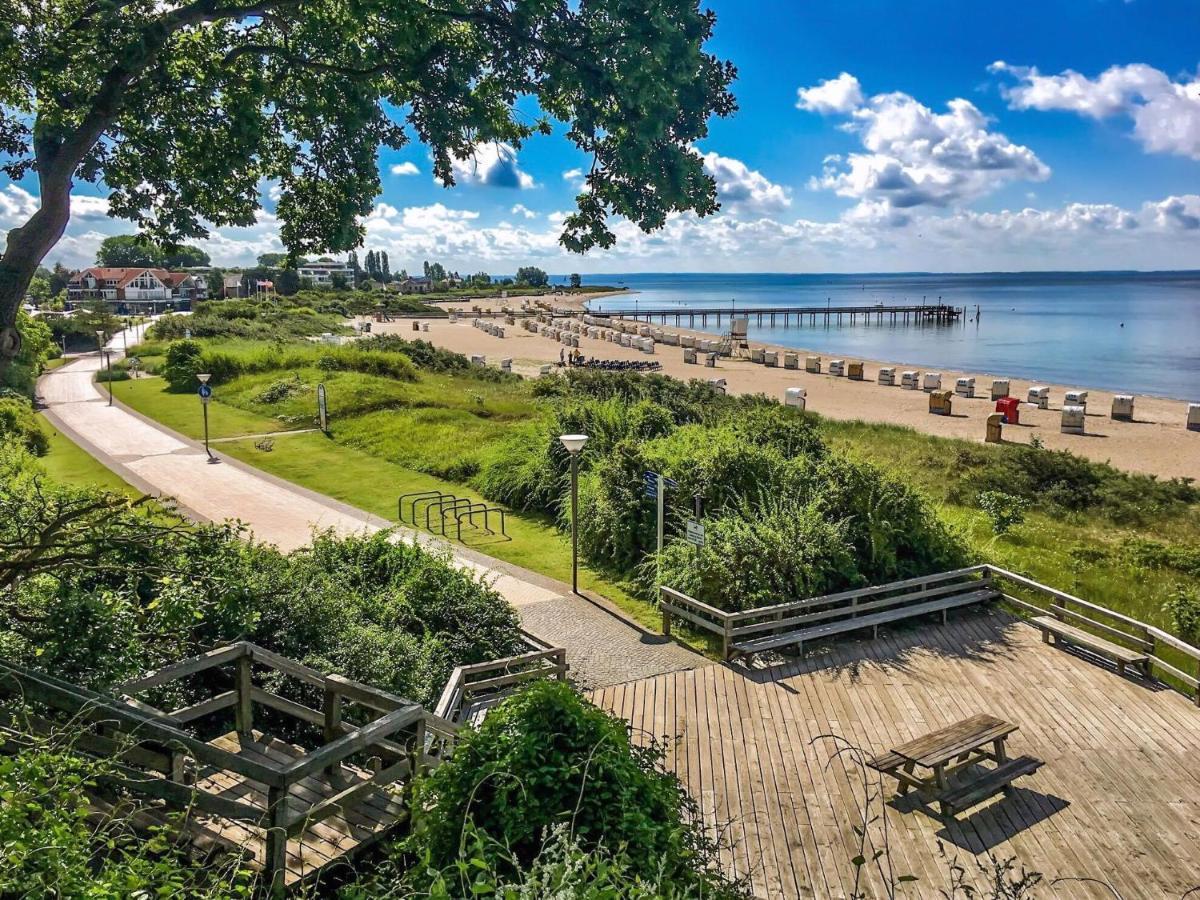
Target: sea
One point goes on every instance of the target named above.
(1131, 332)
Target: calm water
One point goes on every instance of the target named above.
(1064, 328)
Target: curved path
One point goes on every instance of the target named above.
(603, 646)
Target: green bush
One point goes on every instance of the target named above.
(1004, 511)
(184, 362)
(546, 758)
(392, 614)
(18, 423)
(53, 848)
(759, 556)
(429, 358)
(1182, 609)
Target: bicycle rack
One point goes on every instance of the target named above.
(458, 506)
(441, 504)
(416, 495)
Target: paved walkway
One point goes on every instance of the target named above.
(603, 647)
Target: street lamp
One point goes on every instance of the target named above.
(105, 357)
(574, 444)
(205, 393)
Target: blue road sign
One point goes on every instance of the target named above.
(205, 391)
(650, 484)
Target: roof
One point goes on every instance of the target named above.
(124, 275)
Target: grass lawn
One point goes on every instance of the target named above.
(183, 413)
(68, 463)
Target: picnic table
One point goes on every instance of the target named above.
(926, 763)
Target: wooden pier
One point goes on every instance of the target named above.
(787, 316)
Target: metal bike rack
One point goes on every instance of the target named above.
(448, 502)
(415, 496)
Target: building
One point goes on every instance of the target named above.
(418, 285)
(136, 290)
(231, 286)
(322, 272)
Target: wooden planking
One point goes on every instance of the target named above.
(330, 840)
(1118, 797)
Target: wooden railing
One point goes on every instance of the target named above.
(780, 617)
(1166, 652)
(472, 685)
(158, 758)
(1110, 625)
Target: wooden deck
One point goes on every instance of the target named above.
(1117, 799)
(332, 840)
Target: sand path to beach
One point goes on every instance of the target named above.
(1157, 442)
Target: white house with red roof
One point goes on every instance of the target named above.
(136, 289)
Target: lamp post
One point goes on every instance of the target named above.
(574, 444)
(105, 361)
(205, 393)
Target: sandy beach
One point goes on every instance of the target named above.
(1157, 442)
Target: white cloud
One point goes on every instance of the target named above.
(522, 210)
(834, 95)
(1165, 113)
(740, 188)
(1176, 213)
(493, 165)
(16, 205)
(577, 179)
(84, 206)
(405, 168)
(918, 158)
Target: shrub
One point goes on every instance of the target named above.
(523, 472)
(184, 362)
(760, 556)
(546, 758)
(18, 423)
(280, 390)
(1182, 608)
(1004, 511)
(52, 848)
(430, 358)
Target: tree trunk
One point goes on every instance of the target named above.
(27, 247)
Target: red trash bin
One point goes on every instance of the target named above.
(1009, 407)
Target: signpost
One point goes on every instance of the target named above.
(205, 392)
(695, 532)
(655, 487)
(322, 409)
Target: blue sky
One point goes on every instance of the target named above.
(871, 136)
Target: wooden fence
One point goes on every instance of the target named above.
(473, 689)
(1166, 653)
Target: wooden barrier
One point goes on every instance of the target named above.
(739, 631)
(473, 689)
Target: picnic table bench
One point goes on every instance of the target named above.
(926, 763)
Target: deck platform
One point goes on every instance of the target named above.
(1118, 798)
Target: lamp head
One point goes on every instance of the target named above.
(203, 376)
(573, 442)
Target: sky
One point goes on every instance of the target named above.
(872, 136)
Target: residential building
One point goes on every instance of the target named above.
(417, 285)
(322, 272)
(136, 289)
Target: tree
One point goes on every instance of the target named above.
(481, 279)
(385, 269)
(39, 289)
(287, 282)
(181, 110)
(94, 315)
(123, 250)
(271, 260)
(372, 266)
(435, 271)
(60, 277)
(532, 276)
(576, 281)
(338, 281)
(185, 256)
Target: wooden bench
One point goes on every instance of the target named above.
(1068, 634)
(987, 785)
(871, 620)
